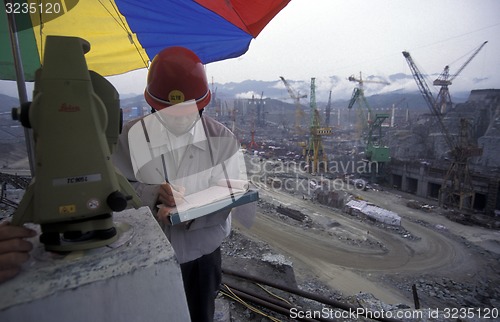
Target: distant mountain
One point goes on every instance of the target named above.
(7, 103)
(378, 95)
(402, 86)
(341, 89)
(413, 102)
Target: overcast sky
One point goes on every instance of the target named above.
(322, 38)
(325, 37)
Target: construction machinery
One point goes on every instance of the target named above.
(253, 144)
(375, 151)
(315, 152)
(328, 109)
(371, 126)
(232, 115)
(358, 95)
(261, 114)
(445, 79)
(299, 113)
(215, 104)
(393, 110)
(456, 189)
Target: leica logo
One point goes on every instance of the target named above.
(69, 108)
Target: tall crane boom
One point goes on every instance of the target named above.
(429, 98)
(315, 153)
(422, 85)
(358, 92)
(361, 81)
(328, 110)
(299, 113)
(457, 184)
(261, 121)
(358, 95)
(374, 151)
(445, 79)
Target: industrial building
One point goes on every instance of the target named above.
(419, 158)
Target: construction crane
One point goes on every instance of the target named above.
(393, 110)
(261, 120)
(374, 151)
(253, 144)
(299, 113)
(315, 152)
(456, 188)
(445, 79)
(358, 95)
(328, 109)
(215, 102)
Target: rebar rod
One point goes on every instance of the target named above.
(308, 295)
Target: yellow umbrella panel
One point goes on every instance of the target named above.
(114, 48)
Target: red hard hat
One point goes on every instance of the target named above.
(176, 75)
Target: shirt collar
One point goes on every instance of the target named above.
(195, 136)
(199, 136)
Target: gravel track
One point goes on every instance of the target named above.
(357, 266)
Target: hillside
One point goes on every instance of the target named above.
(7, 103)
(412, 101)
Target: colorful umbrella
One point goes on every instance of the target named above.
(126, 34)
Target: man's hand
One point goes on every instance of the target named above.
(169, 197)
(14, 250)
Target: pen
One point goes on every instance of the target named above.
(172, 186)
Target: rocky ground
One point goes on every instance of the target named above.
(357, 262)
(440, 287)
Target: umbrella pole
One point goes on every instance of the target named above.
(21, 85)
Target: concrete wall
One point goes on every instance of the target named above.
(137, 278)
(422, 179)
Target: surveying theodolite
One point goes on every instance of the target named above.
(76, 120)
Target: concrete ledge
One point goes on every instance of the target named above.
(137, 278)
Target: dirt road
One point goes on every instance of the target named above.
(352, 256)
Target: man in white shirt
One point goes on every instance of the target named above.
(175, 152)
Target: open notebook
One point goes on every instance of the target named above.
(226, 194)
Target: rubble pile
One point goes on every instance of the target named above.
(258, 259)
(432, 290)
(292, 213)
(331, 198)
(373, 212)
(474, 219)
